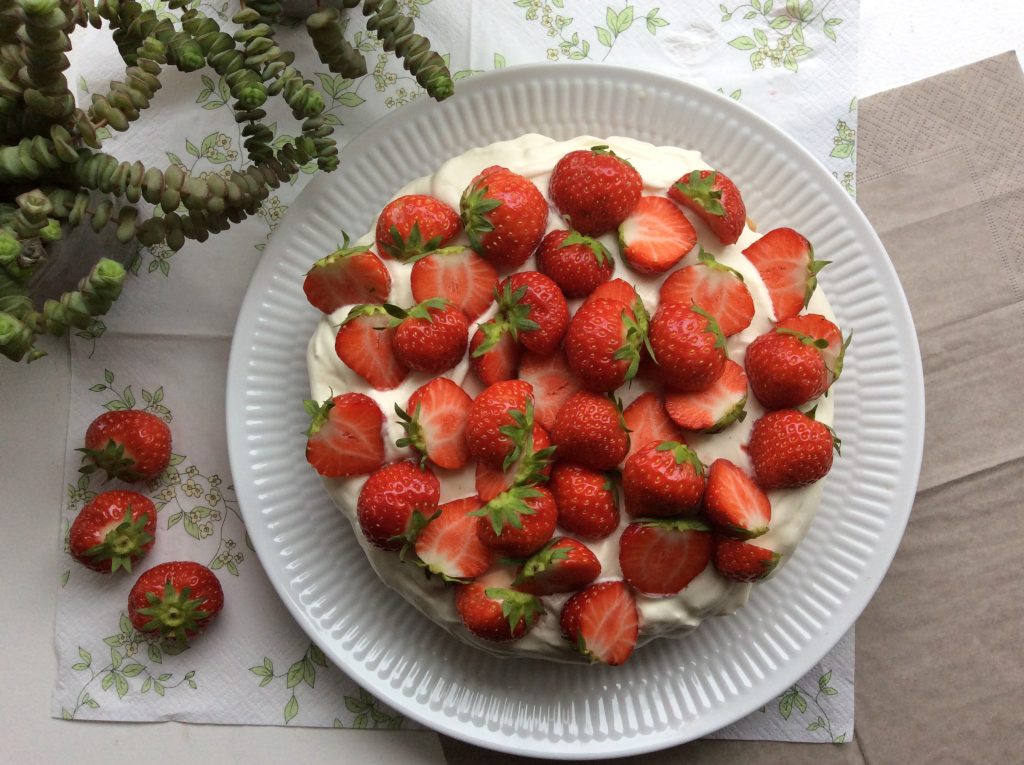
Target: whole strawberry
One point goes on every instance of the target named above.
(114, 530)
(562, 565)
(662, 480)
(832, 343)
(594, 189)
(688, 346)
(786, 368)
(531, 466)
(496, 613)
(578, 264)
(743, 561)
(175, 600)
(128, 444)
(395, 503)
(715, 199)
(430, 337)
(498, 426)
(605, 342)
(789, 449)
(415, 224)
(587, 501)
(544, 305)
(518, 522)
(494, 353)
(505, 216)
(589, 431)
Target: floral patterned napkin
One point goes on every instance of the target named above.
(165, 345)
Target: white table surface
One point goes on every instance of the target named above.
(900, 42)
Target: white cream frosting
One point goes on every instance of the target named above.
(709, 594)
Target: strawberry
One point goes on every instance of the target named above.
(504, 215)
(662, 557)
(789, 449)
(533, 465)
(456, 274)
(786, 368)
(688, 346)
(714, 409)
(602, 622)
(347, 276)
(734, 504)
(587, 502)
(562, 565)
(578, 264)
(663, 479)
(430, 337)
(817, 326)
(114, 530)
(498, 424)
(449, 546)
(716, 288)
(553, 383)
(496, 613)
(345, 435)
(743, 561)
(365, 343)
(655, 236)
(498, 359)
(647, 421)
(175, 600)
(518, 522)
(589, 431)
(618, 290)
(594, 189)
(128, 444)
(435, 423)
(546, 309)
(395, 503)
(785, 261)
(414, 224)
(715, 199)
(605, 341)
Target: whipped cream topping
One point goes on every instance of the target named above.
(709, 594)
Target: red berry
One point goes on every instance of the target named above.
(458, 275)
(594, 189)
(505, 217)
(431, 337)
(496, 613)
(715, 408)
(449, 545)
(553, 383)
(345, 435)
(602, 622)
(546, 313)
(618, 290)
(817, 326)
(587, 502)
(662, 557)
(734, 504)
(785, 261)
(365, 343)
(175, 601)
(604, 342)
(688, 346)
(578, 264)
(414, 224)
(716, 288)
(435, 423)
(789, 449)
(655, 236)
(715, 199)
(518, 522)
(786, 368)
(128, 444)
(114, 530)
(589, 431)
(533, 465)
(743, 561)
(663, 480)
(494, 353)
(498, 426)
(348, 276)
(562, 565)
(395, 503)
(648, 422)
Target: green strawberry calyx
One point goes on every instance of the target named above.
(413, 246)
(342, 251)
(413, 432)
(111, 459)
(542, 560)
(174, 614)
(637, 337)
(712, 326)
(703, 192)
(507, 508)
(815, 342)
(418, 311)
(601, 253)
(418, 521)
(364, 309)
(513, 317)
(516, 606)
(674, 524)
(813, 269)
(475, 207)
(520, 433)
(706, 258)
(682, 453)
(319, 413)
(606, 151)
(123, 543)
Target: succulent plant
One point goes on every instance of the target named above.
(54, 175)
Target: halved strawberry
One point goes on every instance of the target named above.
(717, 201)
(716, 288)
(743, 561)
(662, 557)
(449, 546)
(345, 436)
(562, 565)
(414, 224)
(648, 421)
(602, 622)
(533, 465)
(349, 275)
(820, 328)
(655, 236)
(713, 409)
(496, 613)
(457, 274)
(785, 261)
(553, 383)
(494, 353)
(617, 290)
(435, 423)
(364, 343)
(734, 504)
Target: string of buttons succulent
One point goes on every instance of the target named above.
(55, 176)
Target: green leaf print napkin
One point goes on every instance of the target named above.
(164, 346)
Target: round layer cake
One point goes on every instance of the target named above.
(707, 593)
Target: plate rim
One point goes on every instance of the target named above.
(856, 600)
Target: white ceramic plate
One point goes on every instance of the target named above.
(670, 691)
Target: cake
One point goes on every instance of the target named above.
(607, 499)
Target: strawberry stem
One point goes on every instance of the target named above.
(175, 614)
(122, 542)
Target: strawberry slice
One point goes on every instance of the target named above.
(743, 561)
(364, 343)
(562, 565)
(435, 423)
(785, 261)
(345, 436)
(716, 288)
(715, 199)
(457, 274)
(553, 383)
(820, 328)
(449, 546)
(648, 421)
(662, 557)
(617, 290)
(602, 622)
(532, 466)
(494, 353)
(714, 409)
(655, 236)
(734, 504)
(347, 276)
